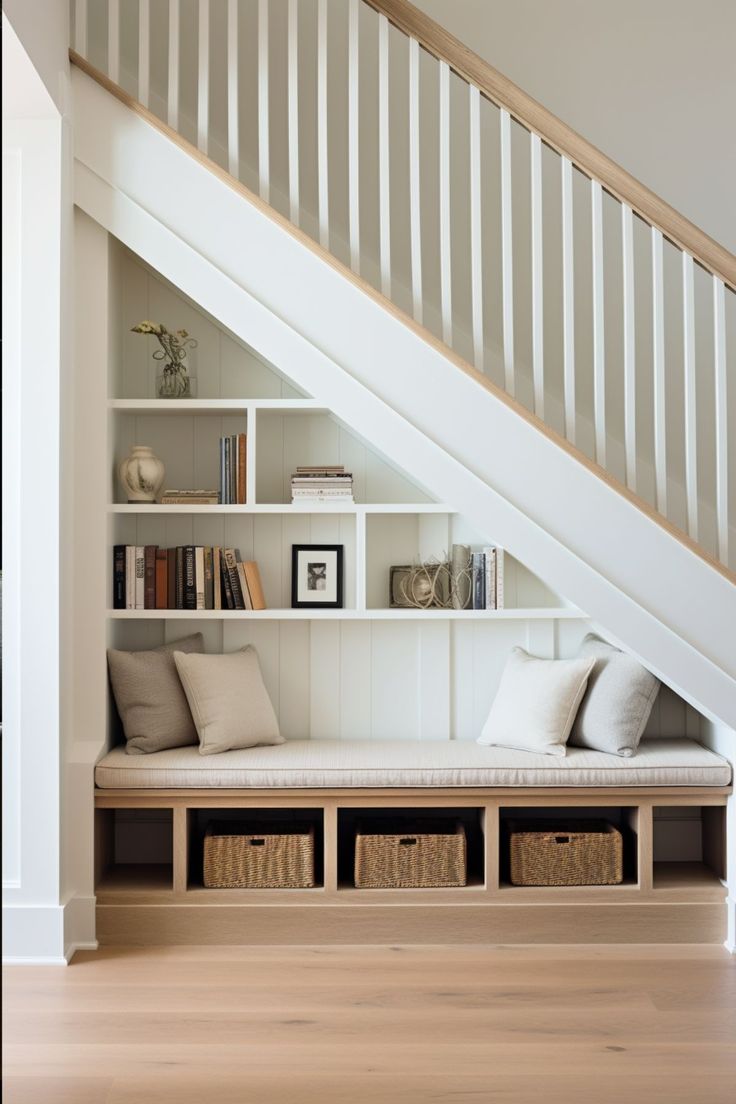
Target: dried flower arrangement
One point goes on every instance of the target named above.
(175, 381)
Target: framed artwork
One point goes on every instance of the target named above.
(316, 576)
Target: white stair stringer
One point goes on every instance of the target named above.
(463, 443)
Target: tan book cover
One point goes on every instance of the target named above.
(255, 586)
(217, 572)
(244, 586)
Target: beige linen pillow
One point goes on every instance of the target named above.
(229, 703)
(536, 703)
(617, 703)
(149, 697)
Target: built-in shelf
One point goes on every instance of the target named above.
(553, 613)
(286, 508)
(216, 406)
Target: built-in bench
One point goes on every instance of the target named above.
(671, 790)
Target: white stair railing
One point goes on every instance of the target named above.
(360, 124)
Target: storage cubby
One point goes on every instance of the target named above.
(133, 850)
(624, 818)
(387, 819)
(689, 846)
(252, 820)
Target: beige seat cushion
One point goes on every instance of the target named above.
(151, 703)
(388, 763)
(229, 703)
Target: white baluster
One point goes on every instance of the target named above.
(507, 262)
(322, 161)
(689, 367)
(568, 300)
(264, 175)
(719, 342)
(660, 451)
(144, 52)
(203, 87)
(293, 102)
(537, 276)
(233, 125)
(80, 27)
(445, 239)
(476, 233)
(384, 189)
(627, 239)
(599, 345)
(113, 40)
(173, 86)
(353, 137)
(415, 210)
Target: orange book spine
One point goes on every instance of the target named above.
(241, 469)
(255, 586)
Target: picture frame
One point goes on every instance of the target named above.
(317, 576)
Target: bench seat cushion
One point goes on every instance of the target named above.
(337, 764)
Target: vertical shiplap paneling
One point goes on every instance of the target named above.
(233, 82)
(325, 677)
(568, 300)
(394, 663)
(689, 367)
(144, 52)
(660, 383)
(174, 60)
(721, 394)
(203, 82)
(507, 253)
(353, 136)
(629, 293)
(384, 170)
(476, 226)
(264, 159)
(295, 681)
(293, 109)
(445, 204)
(355, 680)
(322, 126)
(461, 696)
(537, 275)
(599, 341)
(415, 209)
(433, 684)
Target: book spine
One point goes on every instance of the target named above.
(129, 576)
(209, 588)
(216, 578)
(255, 586)
(190, 500)
(118, 577)
(233, 468)
(149, 593)
(499, 578)
(242, 579)
(489, 587)
(231, 564)
(479, 601)
(227, 590)
(171, 578)
(199, 577)
(226, 484)
(179, 591)
(190, 580)
(162, 582)
(241, 469)
(222, 471)
(140, 577)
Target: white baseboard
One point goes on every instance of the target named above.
(48, 935)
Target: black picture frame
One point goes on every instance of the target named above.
(299, 587)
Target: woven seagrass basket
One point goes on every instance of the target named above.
(279, 857)
(410, 855)
(566, 853)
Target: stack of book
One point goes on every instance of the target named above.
(487, 579)
(190, 577)
(203, 497)
(232, 470)
(326, 483)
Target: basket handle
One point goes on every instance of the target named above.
(562, 839)
(257, 842)
(407, 842)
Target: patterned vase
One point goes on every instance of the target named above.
(142, 474)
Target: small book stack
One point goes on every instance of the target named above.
(232, 470)
(202, 497)
(327, 483)
(190, 577)
(487, 587)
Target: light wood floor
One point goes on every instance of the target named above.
(395, 1025)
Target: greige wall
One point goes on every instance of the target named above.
(651, 82)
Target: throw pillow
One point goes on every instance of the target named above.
(536, 703)
(228, 700)
(616, 707)
(149, 697)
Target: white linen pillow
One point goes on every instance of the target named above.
(617, 703)
(536, 703)
(229, 702)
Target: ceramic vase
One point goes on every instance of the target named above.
(142, 474)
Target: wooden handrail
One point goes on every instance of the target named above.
(437, 41)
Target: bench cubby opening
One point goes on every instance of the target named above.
(134, 850)
(689, 846)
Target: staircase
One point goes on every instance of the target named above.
(498, 307)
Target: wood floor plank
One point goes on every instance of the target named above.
(413, 1025)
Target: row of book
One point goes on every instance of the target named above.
(232, 470)
(477, 578)
(328, 483)
(190, 577)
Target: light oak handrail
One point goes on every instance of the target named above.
(329, 258)
(709, 254)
